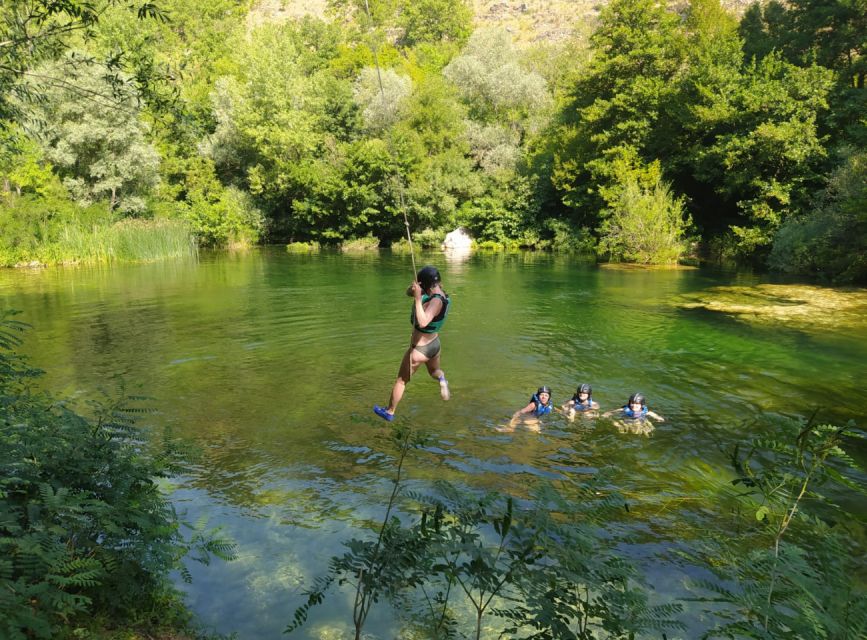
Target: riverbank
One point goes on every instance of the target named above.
(129, 240)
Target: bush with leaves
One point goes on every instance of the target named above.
(831, 240)
(85, 530)
(542, 565)
(644, 222)
(565, 238)
(797, 577)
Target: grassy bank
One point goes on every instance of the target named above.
(130, 240)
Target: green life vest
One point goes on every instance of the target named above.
(436, 324)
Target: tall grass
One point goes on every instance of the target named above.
(123, 241)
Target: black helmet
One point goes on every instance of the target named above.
(427, 277)
(584, 388)
(637, 398)
(544, 389)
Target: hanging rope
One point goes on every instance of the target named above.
(408, 234)
(399, 179)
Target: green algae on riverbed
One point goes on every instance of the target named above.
(793, 306)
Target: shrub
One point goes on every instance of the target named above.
(568, 239)
(302, 247)
(425, 239)
(508, 246)
(428, 239)
(367, 243)
(51, 230)
(489, 218)
(225, 216)
(643, 224)
(400, 246)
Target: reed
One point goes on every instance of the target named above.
(128, 240)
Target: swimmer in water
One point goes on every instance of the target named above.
(539, 405)
(582, 402)
(634, 416)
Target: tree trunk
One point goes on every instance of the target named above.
(113, 198)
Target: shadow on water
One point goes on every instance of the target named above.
(269, 363)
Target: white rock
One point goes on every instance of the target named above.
(458, 240)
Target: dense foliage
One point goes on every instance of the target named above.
(85, 530)
(663, 135)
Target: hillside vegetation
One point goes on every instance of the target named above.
(630, 131)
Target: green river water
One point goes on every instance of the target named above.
(269, 364)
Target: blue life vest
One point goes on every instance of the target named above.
(582, 407)
(542, 409)
(629, 413)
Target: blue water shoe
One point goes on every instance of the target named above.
(382, 413)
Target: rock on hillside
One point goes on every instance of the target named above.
(527, 20)
(538, 20)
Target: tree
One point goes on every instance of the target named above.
(643, 222)
(98, 145)
(618, 109)
(276, 119)
(36, 31)
(379, 95)
(433, 21)
(754, 141)
(23, 168)
(490, 78)
(831, 239)
(829, 34)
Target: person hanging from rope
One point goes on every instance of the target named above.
(429, 311)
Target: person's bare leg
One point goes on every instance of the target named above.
(433, 368)
(407, 367)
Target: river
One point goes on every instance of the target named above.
(267, 364)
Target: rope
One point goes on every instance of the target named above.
(399, 180)
(408, 234)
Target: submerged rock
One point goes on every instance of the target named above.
(797, 306)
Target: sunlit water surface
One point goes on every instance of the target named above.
(269, 364)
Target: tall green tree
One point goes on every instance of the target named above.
(490, 78)
(95, 138)
(617, 109)
(33, 32)
(832, 34)
(281, 113)
(748, 147)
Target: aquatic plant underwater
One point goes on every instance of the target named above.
(548, 566)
